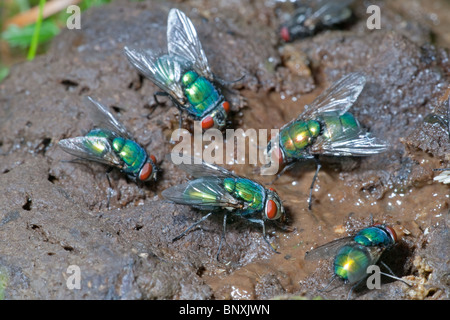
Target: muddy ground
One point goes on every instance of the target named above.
(53, 212)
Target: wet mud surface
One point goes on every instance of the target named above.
(53, 211)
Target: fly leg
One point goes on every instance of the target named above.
(190, 227)
(392, 274)
(110, 189)
(223, 235)
(286, 168)
(261, 222)
(161, 94)
(226, 82)
(349, 296)
(324, 289)
(313, 182)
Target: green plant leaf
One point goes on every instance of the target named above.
(4, 71)
(21, 37)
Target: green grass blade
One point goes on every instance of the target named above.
(37, 29)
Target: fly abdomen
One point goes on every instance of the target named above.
(351, 262)
(201, 93)
(98, 147)
(336, 127)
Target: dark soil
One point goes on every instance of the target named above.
(53, 211)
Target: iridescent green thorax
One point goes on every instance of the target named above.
(246, 190)
(128, 151)
(200, 92)
(351, 262)
(131, 153)
(373, 236)
(297, 136)
(336, 127)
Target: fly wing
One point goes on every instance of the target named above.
(358, 146)
(82, 147)
(164, 71)
(102, 118)
(443, 177)
(183, 42)
(339, 97)
(199, 168)
(328, 8)
(205, 193)
(328, 250)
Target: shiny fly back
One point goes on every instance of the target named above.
(216, 189)
(111, 144)
(184, 73)
(354, 254)
(325, 128)
(309, 18)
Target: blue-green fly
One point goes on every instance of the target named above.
(354, 254)
(325, 128)
(110, 143)
(312, 16)
(216, 189)
(184, 74)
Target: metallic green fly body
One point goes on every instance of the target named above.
(354, 254)
(325, 128)
(216, 189)
(184, 74)
(110, 143)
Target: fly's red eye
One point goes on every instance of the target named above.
(284, 32)
(271, 209)
(146, 171)
(226, 106)
(272, 189)
(392, 232)
(207, 122)
(153, 158)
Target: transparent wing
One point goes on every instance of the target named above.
(182, 41)
(443, 177)
(102, 118)
(199, 168)
(164, 71)
(328, 8)
(339, 97)
(361, 145)
(82, 147)
(329, 249)
(205, 193)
